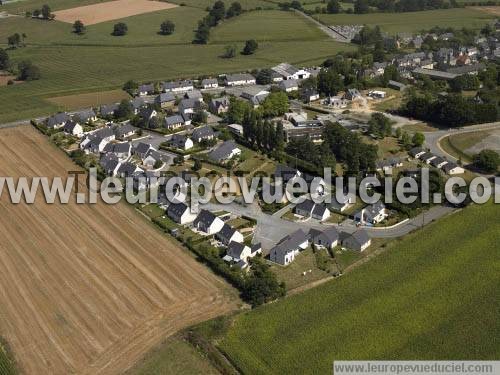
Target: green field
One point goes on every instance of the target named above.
(432, 295)
(412, 21)
(97, 61)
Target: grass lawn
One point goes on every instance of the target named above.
(413, 21)
(174, 356)
(153, 210)
(465, 141)
(420, 127)
(292, 274)
(93, 99)
(423, 298)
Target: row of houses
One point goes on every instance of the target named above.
(285, 251)
(427, 157)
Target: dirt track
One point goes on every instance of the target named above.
(89, 289)
(110, 10)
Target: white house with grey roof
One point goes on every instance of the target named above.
(327, 238)
(238, 252)
(209, 83)
(127, 169)
(85, 116)
(241, 79)
(228, 234)
(219, 105)
(165, 99)
(452, 169)
(289, 85)
(108, 110)
(141, 149)
(124, 131)
(372, 214)
(180, 213)
(225, 152)
(203, 133)
(110, 164)
(174, 122)
(178, 86)
(121, 150)
(146, 89)
(208, 223)
(438, 162)
(181, 142)
(57, 121)
(309, 208)
(287, 249)
(359, 240)
(73, 128)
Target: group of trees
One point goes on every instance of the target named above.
(43, 13)
(487, 160)
(215, 14)
(363, 6)
(452, 110)
(28, 71)
(319, 155)
(249, 49)
(16, 40)
(4, 59)
(380, 125)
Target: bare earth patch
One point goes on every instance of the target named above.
(89, 289)
(111, 10)
(91, 99)
(4, 79)
(489, 9)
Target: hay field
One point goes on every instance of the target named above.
(89, 289)
(111, 10)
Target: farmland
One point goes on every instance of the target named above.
(423, 298)
(97, 61)
(413, 21)
(89, 289)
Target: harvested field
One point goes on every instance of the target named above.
(111, 10)
(92, 99)
(89, 289)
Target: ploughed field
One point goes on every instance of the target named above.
(89, 289)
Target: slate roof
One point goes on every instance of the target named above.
(360, 236)
(85, 114)
(291, 242)
(319, 210)
(173, 120)
(176, 84)
(227, 231)
(223, 151)
(108, 109)
(203, 132)
(289, 83)
(416, 150)
(142, 147)
(57, 119)
(235, 249)
(439, 160)
(449, 166)
(285, 172)
(165, 97)
(177, 209)
(205, 217)
(209, 81)
(330, 233)
(69, 126)
(306, 205)
(120, 131)
(372, 210)
(239, 77)
(127, 168)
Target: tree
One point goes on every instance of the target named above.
(78, 27)
(380, 125)
(28, 71)
(229, 51)
(197, 165)
(250, 47)
(14, 40)
(418, 139)
(200, 116)
(333, 7)
(167, 27)
(262, 285)
(361, 6)
(46, 14)
(487, 160)
(131, 87)
(218, 11)
(202, 34)
(236, 111)
(234, 10)
(329, 82)
(4, 60)
(120, 29)
(264, 77)
(124, 110)
(405, 140)
(276, 104)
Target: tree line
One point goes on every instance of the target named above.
(215, 15)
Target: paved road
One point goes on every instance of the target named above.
(432, 139)
(270, 229)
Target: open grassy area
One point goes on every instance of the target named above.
(423, 298)
(174, 356)
(7, 365)
(97, 61)
(413, 21)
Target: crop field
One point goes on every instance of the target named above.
(89, 289)
(432, 295)
(97, 61)
(111, 10)
(413, 21)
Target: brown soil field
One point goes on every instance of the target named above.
(89, 289)
(489, 9)
(111, 10)
(92, 99)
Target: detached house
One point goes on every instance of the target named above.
(188, 106)
(127, 169)
(359, 240)
(239, 253)
(110, 164)
(208, 223)
(180, 213)
(452, 169)
(209, 83)
(225, 152)
(285, 251)
(85, 116)
(165, 100)
(108, 110)
(309, 208)
(154, 156)
(181, 142)
(73, 128)
(289, 85)
(141, 149)
(174, 122)
(416, 152)
(121, 150)
(124, 131)
(147, 89)
(219, 105)
(178, 86)
(228, 234)
(372, 214)
(427, 157)
(57, 121)
(439, 162)
(327, 238)
(203, 133)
